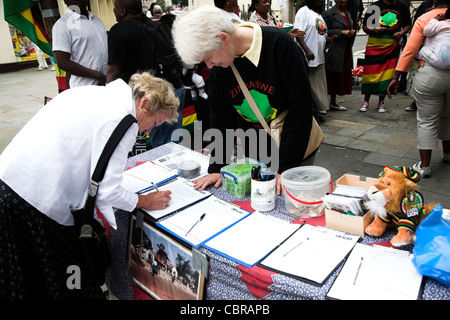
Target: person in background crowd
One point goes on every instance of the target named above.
(42, 184)
(385, 29)
(265, 58)
(80, 45)
(356, 8)
(149, 12)
(431, 86)
(42, 63)
(424, 7)
(309, 18)
(125, 58)
(261, 14)
(157, 13)
(338, 54)
(228, 8)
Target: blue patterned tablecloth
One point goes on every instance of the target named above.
(229, 280)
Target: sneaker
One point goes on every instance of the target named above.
(412, 106)
(364, 106)
(323, 111)
(337, 107)
(381, 107)
(424, 172)
(445, 158)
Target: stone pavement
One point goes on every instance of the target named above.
(356, 142)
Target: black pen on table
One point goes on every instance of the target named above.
(357, 271)
(201, 218)
(294, 248)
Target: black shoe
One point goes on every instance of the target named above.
(412, 106)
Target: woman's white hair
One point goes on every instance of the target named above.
(195, 33)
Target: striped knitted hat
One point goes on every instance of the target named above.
(409, 173)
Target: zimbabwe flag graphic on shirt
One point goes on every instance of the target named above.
(26, 16)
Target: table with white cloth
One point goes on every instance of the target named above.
(228, 280)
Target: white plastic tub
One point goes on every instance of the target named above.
(303, 188)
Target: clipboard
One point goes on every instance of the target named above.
(375, 272)
(311, 254)
(143, 177)
(183, 195)
(219, 215)
(248, 241)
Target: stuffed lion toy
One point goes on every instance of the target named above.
(396, 200)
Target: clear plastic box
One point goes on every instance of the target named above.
(236, 177)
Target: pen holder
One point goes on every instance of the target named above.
(263, 195)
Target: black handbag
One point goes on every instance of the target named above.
(93, 238)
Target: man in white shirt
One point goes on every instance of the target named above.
(80, 45)
(309, 19)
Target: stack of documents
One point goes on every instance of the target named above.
(374, 272)
(347, 199)
(311, 253)
(182, 154)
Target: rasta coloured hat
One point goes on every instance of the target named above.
(407, 172)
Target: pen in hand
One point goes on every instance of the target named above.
(154, 186)
(201, 218)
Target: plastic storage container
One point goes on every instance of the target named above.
(303, 188)
(236, 176)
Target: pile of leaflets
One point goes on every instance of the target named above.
(346, 199)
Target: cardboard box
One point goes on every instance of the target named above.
(348, 223)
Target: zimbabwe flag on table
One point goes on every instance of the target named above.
(26, 16)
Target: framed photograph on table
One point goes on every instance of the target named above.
(162, 267)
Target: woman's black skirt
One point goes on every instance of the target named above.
(39, 258)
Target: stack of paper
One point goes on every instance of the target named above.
(346, 199)
(183, 154)
(373, 272)
(311, 253)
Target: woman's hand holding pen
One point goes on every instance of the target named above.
(154, 200)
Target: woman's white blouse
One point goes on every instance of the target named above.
(50, 161)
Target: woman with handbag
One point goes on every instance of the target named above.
(274, 71)
(43, 183)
